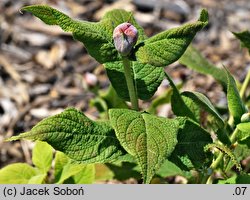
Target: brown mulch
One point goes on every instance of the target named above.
(43, 70)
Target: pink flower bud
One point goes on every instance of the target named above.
(125, 36)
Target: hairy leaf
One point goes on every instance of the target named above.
(235, 104)
(98, 40)
(95, 36)
(189, 152)
(42, 155)
(204, 102)
(193, 59)
(183, 106)
(149, 138)
(244, 37)
(77, 136)
(168, 46)
(18, 173)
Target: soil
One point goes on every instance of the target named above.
(43, 70)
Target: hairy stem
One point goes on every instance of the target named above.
(217, 161)
(245, 84)
(130, 83)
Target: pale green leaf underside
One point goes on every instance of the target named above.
(193, 59)
(65, 168)
(18, 173)
(168, 46)
(77, 136)
(235, 105)
(42, 155)
(86, 175)
(78, 172)
(38, 179)
(149, 138)
(61, 160)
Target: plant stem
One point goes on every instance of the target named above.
(245, 84)
(233, 136)
(217, 161)
(230, 122)
(130, 83)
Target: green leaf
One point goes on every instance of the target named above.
(42, 156)
(193, 59)
(149, 138)
(243, 179)
(169, 169)
(86, 175)
(235, 104)
(202, 101)
(244, 134)
(81, 173)
(98, 40)
(226, 151)
(77, 136)
(18, 173)
(95, 36)
(125, 170)
(189, 152)
(147, 79)
(183, 106)
(237, 179)
(112, 99)
(38, 179)
(168, 46)
(163, 98)
(103, 173)
(68, 171)
(60, 161)
(106, 100)
(244, 37)
(244, 127)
